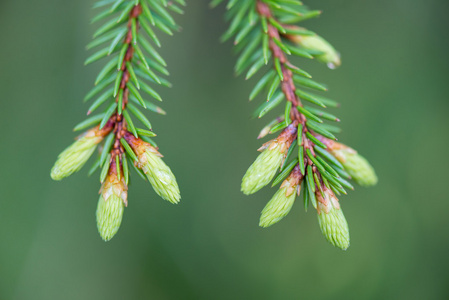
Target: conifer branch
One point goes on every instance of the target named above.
(121, 84)
(264, 34)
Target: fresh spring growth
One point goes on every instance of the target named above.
(158, 173)
(269, 40)
(264, 168)
(356, 165)
(281, 203)
(315, 43)
(125, 91)
(76, 155)
(111, 205)
(332, 221)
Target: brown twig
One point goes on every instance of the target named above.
(287, 84)
(119, 122)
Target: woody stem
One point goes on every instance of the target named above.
(287, 84)
(123, 92)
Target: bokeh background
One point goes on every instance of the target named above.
(393, 88)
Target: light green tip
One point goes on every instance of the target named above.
(262, 171)
(357, 166)
(161, 177)
(109, 216)
(334, 227)
(277, 208)
(73, 158)
(328, 55)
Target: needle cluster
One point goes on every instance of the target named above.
(305, 154)
(134, 68)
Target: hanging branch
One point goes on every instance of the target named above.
(264, 34)
(132, 68)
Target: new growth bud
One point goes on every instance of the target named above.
(73, 158)
(264, 168)
(356, 165)
(331, 219)
(281, 203)
(327, 53)
(111, 205)
(158, 173)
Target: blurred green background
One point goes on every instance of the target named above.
(393, 87)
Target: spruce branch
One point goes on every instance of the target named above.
(120, 87)
(265, 34)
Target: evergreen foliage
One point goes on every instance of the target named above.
(304, 156)
(268, 39)
(131, 75)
